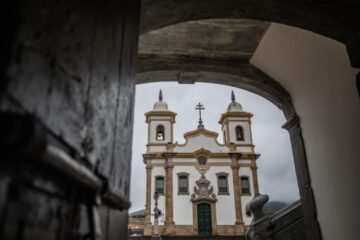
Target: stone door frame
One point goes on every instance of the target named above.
(213, 216)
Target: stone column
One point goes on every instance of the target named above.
(148, 226)
(312, 227)
(169, 217)
(239, 224)
(253, 168)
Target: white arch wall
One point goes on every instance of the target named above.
(316, 72)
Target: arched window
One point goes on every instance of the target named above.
(160, 133)
(222, 183)
(245, 185)
(183, 183)
(239, 130)
(159, 184)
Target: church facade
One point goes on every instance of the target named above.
(202, 185)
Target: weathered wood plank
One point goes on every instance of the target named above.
(73, 69)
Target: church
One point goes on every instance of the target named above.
(200, 187)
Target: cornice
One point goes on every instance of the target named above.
(226, 115)
(198, 132)
(202, 152)
(151, 114)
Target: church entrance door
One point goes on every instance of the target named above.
(204, 219)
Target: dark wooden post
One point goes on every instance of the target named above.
(72, 70)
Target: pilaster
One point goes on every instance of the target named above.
(169, 217)
(253, 168)
(239, 224)
(148, 226)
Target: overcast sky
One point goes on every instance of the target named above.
(275, 165)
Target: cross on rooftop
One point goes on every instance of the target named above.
(200, 107)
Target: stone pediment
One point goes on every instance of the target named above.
(200, 139)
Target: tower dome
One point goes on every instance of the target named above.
(234, 106)
(160, 105)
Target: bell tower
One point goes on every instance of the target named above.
(160, 126)
(236, 126)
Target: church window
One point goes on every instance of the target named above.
(223, 183)
(245, 185)
(159, 184)
(160, 133)
(239, 130)
(183, 183)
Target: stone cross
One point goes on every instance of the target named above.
(200, 107)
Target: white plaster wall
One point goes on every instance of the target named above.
(223, 132)
(157, 148)
(167, 126)
(185, 160)
(201, 141)
(225, 205)
(244, 149)
(244, 161)
(316, 72)
(183, 207)
(246, 171)
(247, 132)
(219, 160)
(157, 161)
(161, 202)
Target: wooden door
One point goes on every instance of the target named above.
(204, 219)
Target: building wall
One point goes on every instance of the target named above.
(158, 171)
(247, 132)
(316, 72)
(225, 206)
(201, 141)
(167, 126)
(183, 214)
(246, 171)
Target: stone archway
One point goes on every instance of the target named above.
(258, 82)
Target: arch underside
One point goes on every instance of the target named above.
(242, 75)
(334, 19)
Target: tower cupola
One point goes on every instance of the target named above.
(234, 106)
(160, 105)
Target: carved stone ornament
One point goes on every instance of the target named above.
(203, 191)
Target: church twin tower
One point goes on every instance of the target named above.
(202, 186)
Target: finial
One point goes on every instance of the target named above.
(232, 96)
(160, 96)
(200, 107)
